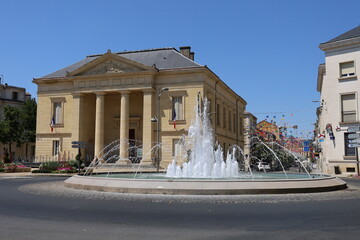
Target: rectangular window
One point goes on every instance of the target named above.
(348, 108)
(56, 147)
(241, 125)
(218, 114)
(224, 118)
(177, 148)
(230, 124)
(234, 120)
(347, 69)
(57, 112)
(349, 151)
(177, 106)
(209, 112)
(15, 96)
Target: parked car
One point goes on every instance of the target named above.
(263, 166)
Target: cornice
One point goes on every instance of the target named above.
(91, 77)
(108, 56)
(204, 70)
(339, 44)
(320, 78)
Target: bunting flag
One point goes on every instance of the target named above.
(174, 118)
(52, 123)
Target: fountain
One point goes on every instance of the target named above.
(203, 170)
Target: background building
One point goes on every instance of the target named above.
(126, 96)
(339, 88)
(14, 96)
(268, 131)
(250, 122)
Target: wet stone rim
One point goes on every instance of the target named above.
(58, 189)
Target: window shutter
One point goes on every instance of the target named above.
(348, 102)
(347, 69)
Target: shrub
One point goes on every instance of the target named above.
(72, 163)
(57, 167)
(50, 166)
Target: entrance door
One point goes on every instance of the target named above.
(132, 146)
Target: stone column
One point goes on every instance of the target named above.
(124, 126)
(99, 123)
(148, 132)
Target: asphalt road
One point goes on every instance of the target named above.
(25, 215)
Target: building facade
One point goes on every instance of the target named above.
(15, 97)
(268, 131)
(250, 122)
(139, 97)
(339, 87)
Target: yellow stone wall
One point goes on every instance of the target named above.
(80, 107)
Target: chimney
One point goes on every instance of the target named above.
(192, 55)
(185, 51)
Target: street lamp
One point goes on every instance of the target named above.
(157, 119)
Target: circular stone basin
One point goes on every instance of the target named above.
(269, 183)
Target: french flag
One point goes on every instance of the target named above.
(52, 123)
(174, 118)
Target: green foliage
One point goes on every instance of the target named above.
(2, 166)
(11, 126)
(18, 125)
(50, 166)
(28, 120)
(57, 167)
(262, 153)
(72, 163)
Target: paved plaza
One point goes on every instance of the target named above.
(42, 208)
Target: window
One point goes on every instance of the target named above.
(224, 117)
(234, 124)
(177, 148)
(56, 147)
(347, 69)
(349, 151)
(209, 111)
(348, 108)
(15, 96)
(218, 114)
(57, 112)
(177, 106)
(230, 124)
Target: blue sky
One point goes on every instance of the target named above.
(267, 51)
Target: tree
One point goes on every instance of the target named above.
(28, 120)
(11, 129)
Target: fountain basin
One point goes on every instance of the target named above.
(205, 186)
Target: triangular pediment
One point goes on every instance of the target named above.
(110, 63)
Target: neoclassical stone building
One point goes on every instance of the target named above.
(122, 95)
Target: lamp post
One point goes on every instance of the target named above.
(157, 159)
